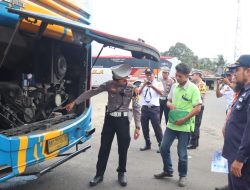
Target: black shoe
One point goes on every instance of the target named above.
(191, 146)
(162, 175)
(222, 188)
(96, 180)
(147, 147)
(122, 179)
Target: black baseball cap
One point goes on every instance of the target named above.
(148, 71)
(243, 61)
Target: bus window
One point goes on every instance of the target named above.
(101, 71)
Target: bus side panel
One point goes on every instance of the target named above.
(5, 158)
(58, 9)
(29, 150)
(53, 31)
(6, 18)
(137, 74)
(100, 75)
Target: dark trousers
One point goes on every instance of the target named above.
(194, 136)
(239, 183)
(152, 114)
(165, 109)
(112, 125)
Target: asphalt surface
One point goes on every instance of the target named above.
(76, 173)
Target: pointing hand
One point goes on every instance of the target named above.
(69, 106)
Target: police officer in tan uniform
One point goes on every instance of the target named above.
(116, 121)
(167, 83)
(194, 138)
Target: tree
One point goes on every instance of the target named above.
(184, 54)
(206, 63)
(212, 64)
(221, 61)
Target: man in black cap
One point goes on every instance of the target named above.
(237, 88)
(150, 92)
(116, 121)
(237, 142)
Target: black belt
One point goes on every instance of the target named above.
(150, 106)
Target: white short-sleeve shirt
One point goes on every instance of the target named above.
(150, 96)
(228, 93)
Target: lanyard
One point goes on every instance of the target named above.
(148, 92)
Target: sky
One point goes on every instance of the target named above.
(207, 27)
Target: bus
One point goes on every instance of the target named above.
(101, 71)
(45, 63)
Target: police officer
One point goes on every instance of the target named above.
(116, 121)
(237, 142)
(194, 136)
(167, 83)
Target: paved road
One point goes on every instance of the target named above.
(76, 173)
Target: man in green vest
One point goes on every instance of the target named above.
(184, 101)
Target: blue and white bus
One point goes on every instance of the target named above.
(45, 63)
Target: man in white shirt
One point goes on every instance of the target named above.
(224, 89)
(150, 92)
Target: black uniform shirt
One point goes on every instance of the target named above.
(237, 135)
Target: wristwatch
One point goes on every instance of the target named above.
(137, 127)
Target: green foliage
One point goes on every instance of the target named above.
(212, 64)
(186, 55)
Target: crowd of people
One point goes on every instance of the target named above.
(182, 102)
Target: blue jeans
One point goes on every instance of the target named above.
(167, 141)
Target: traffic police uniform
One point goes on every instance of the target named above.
(237, 141)
(167, 84)
(116, 119)
(194, 136)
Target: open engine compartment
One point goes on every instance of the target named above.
(37, 80)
